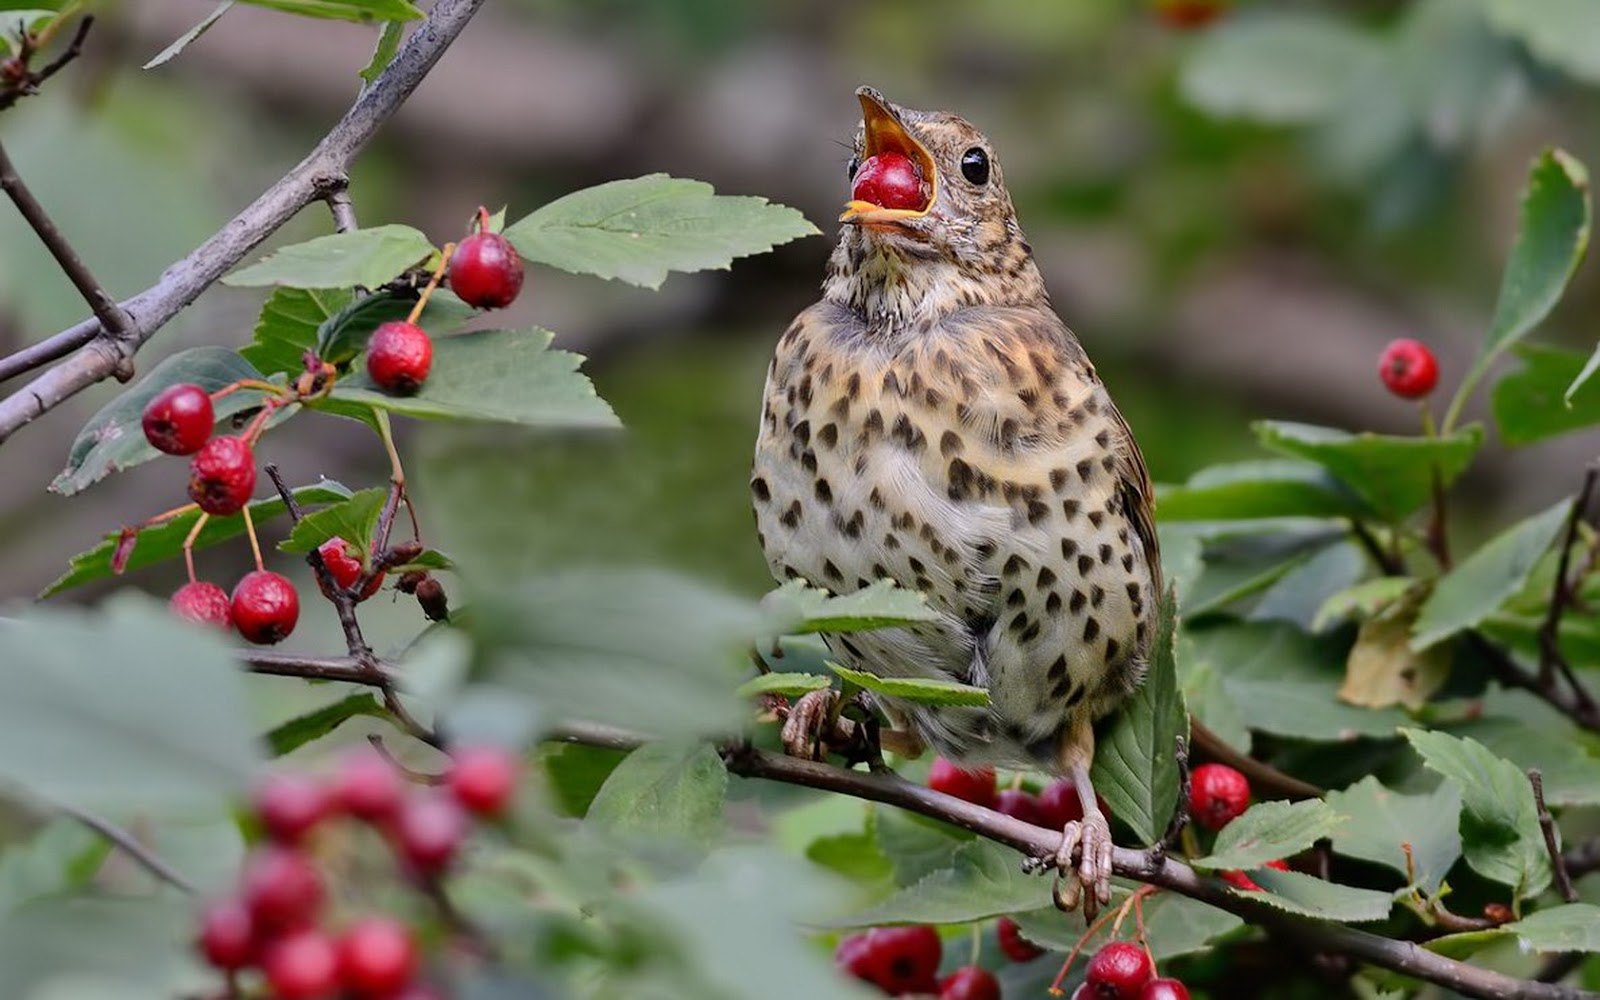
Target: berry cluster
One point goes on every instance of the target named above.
(274, 923)
(1218, 795)
(1122, 970)
(905, 960)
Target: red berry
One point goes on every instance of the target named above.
(302, 966)
(222, 475)
(908, 958)
(856, 955)
(399, 356)
(890, 180)
(368, 787)
(377, 957)
(1239, 880)
(1059, 804)
(282, 888)
(1019, 805)
(486, 271)
(289, 805)
(202, 602)
(1120, 969)
(1218, 794)
(970, 982)
(179, 420)
(227, 934)
(345, 568)
(265, 607)
(1408, 368)
(975, 786)
(483, 779)
(1189, 15)
(1085, 992)
(428, 831)
(1164, 989)
(1013, 944)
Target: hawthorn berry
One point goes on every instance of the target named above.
(1239, 880)
(908, 958)
(1164, 989)
(227, 937)
(970, 982)
(890, 180)
(432, 599)
(265, 607)
(206, 603)
(486, 271)
(377, 957)
(1120, 970)
(1013, 944)
(303, 965)
(289, 805)
(1017, 804)
(179, 420)
(345, 568)
(428, 831)
(368, 787)
(1189, 15)
(1408, 368)
(1218, 794)
(483, 779)
(222, 475)
(399, 356)
(975, 786)
(282, 888)
(856, 955)
(1059, 804)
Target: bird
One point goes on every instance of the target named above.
(931, 421)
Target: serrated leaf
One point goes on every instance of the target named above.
(1277, 67)
(1481, 583)
(288, 324)
(1500, 834)
(291, 735)
(355, 520)
(788, 685)
(1393, 474)
(1547, 396)
(664, 791)
(1264, 488)
(1173, 925)
(165, 541)
(639, 230)
(1381, 820)
(1270, 831)
(1572, 927)
(1135, 767)
(362, 257)
(344, 10)
(1312, 897)
(113, 439)
(494, 375)
(1362, 600)
(917, 690)
(798, 609)
(184, 40)
(983, 880)
(1570, 772)
(344, 335)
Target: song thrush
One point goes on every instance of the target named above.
(931, 421)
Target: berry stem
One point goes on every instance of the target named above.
(250, 531)
(438, 274)
(1072, 956)
(977, 945)
(156, 520)
(188, 543)
(483, 219)
(248, 383)
(258, 423)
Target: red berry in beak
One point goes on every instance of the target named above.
(890, 180)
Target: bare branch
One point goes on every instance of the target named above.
(1550, 657)
(1547, 824)
(129, 845)
(28, 83)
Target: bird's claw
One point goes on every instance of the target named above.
(1083, 864)
(807, 732)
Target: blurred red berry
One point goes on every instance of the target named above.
(227, 934)
(368, 787)
(1017, 804)
(202, 602)
(282, 888)
(483, 779)
(428, 831)
(265, 607)
(1120, 969)
(1218, 794)
(1164, 989)
(289, 805)
(890, 180)
(179, 420)
(303, 965)
(1408, 368)
(399, 356)
(486, 271)
(970, 982)
(908, 958)
(1059, 804)
(377, 957)
(856, 955)
(1013, 944)
(222, 475)
(975, 786)
(1189, 15)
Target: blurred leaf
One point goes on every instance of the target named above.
(788, 685)
(61, 856)
(497, 375)
(344, 335)
(113, 439)
(295, 733)
(1381, 820)
(915, 845)
(355, 520)
(576, 773)
(288, 326)
(165, 541)
(127, 944)
(345, 10)
(639, 230)
(1500, 834)
(917, 690)
(15, 21)
(798, 608)
(1473, 589)
(1267, 488)
(1277, 67)
(122, 708)
(1394, 474)
(1173, 924)
(1363, 600)
(183, 40)
(1555, 31)
(664, 791)
(1271, 831)
(1547, 396)
(983, 880)
(1573, 927)
(1384, 670)
(383, 54)
(361, 257)
(1297, 594)
(1312, 897)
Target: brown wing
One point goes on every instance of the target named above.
(1138, 497)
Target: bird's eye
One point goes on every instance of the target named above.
(975, 166)
(855, 164)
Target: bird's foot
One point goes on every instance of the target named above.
(815, 725)
(1083, 864)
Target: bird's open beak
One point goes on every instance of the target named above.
(884, 133)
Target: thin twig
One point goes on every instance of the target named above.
(343, 210)
(129, 845)
(1180, 814)
(1550, 656)
(29, 85)
(1385, 561)
(1576, 703)
(1547, 824)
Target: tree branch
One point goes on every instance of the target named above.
(103, 353)
(1550, 657)
(1547, 826)
(130, 846)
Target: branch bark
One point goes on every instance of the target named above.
(100, 352)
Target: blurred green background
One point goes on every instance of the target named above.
(1235, 219)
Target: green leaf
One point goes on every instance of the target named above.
(383, 54)
(1312, 897)
(1363, 600)
(1173, 925)
(798, 609)
(576, 773)
(14, 22)
(60, 857)
(638, 230)
(1268, 488)
(1281, 67)
(165, 541)
(1570, 772)
(295, 733)
(288, 326)
(1383, 669)
(1555, 32)
(113, 439)
(1134, 764)
(344, 335)
(1573, 927)
(345, 10)
(664, 791)
(853, 855)
(916, 846)
(496, 375)
(917, 690)
(1547, 396)
(1500, 834)
(983, 880)
(1393, 474)
(788, 685)
(1479, 585)
(1296, 595)
(182, 41)
(96, 948)
(1271, 831)
(361, 257)
(125, 708)
(1381, 820)
(355, 520)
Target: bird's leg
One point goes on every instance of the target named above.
(1089, 839)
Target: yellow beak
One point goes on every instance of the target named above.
(885, 133)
